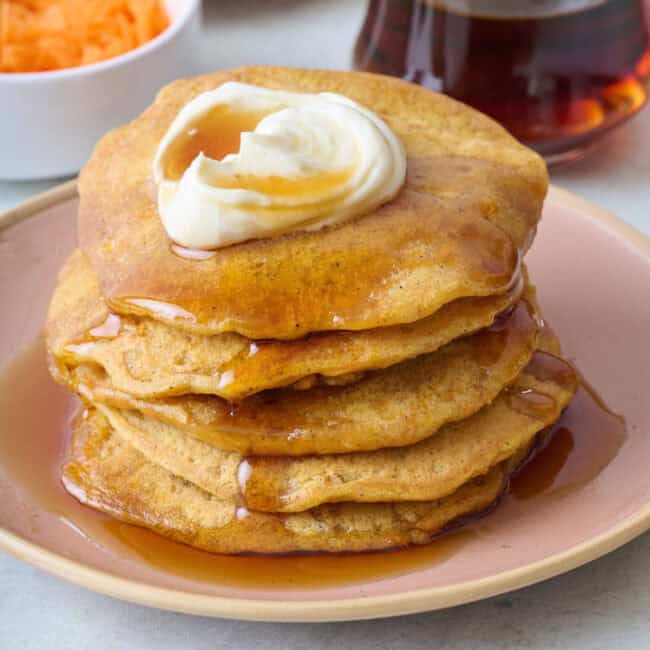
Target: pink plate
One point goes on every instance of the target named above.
(593, 276)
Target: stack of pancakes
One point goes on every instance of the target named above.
(359, 387)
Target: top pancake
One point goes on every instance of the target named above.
(469, 207)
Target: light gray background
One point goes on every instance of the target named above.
(605, 604)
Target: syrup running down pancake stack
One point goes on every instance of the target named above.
(361, 386)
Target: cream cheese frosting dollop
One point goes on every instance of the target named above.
(311, 160)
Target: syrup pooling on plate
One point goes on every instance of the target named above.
(35, 414)
(287, 572)
(587, 438)
(583, 442)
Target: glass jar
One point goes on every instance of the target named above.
(558, 74)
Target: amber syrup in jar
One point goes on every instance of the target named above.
(556, 73)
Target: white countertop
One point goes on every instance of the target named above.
(605, 604)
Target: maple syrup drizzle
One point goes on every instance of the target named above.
(109, 329)
(164, 310)
(194, 254)
(216, 134)
(301, 187)
(531, 402)
(35, 413)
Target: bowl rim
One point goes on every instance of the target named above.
(189, 9)
(359, 607)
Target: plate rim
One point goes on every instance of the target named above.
(358, 608)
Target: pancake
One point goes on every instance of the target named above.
(359, 387)
(146, 358)
(105, 472)
(429, 470)
(467, 212)
(393, 407)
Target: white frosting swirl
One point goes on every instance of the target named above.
(312, 160)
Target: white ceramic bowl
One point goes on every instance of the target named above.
(50, 121)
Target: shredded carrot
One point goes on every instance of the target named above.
(39, 35)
